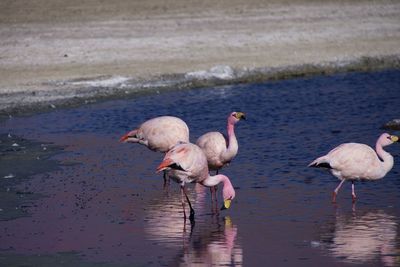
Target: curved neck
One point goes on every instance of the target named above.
(233, 146)
(387, 159)
(213, 180)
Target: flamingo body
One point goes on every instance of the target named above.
(187, 163)
(354, 161)
(220, 150)
(159, 134)
(213, 145)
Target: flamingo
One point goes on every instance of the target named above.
(354, 161)
(187, 163)
(220, 150)
(159, 134)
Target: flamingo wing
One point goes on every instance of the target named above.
(213, 145)
(353, 160)
(159, 134)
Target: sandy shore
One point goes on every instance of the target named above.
(57, 50)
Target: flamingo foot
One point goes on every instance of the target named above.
(191, 216)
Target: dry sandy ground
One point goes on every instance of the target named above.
(43, 42)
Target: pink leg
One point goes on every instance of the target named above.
(337, 191)
(214, 200)
(183, 200)
(353, 194)
(166, 180)
(213, 190)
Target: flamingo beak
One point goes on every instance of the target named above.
(394, 138)
(240, 115)
(124, 138)
(164, 165)
(227, 204)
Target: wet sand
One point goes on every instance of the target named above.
(46, 45)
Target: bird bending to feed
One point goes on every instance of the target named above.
(220, 150)
(354, 161)
(159, 134)
(187, 163)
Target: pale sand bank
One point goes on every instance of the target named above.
(47, 48)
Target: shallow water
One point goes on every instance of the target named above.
(107, 206)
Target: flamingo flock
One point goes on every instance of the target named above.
(159, 134)
(185, 162)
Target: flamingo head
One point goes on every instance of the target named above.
(236, 116)
(228, 193)
(387, 139)
(130, 137)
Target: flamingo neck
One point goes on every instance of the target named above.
(213, 180)
(233, 145)
(387, 159)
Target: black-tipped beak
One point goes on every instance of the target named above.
(240, 116)
(227, 204)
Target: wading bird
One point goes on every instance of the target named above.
(187, 163)
(219, 149)
(159, 134)
(354, 161)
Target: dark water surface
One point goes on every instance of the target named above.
(105, 205)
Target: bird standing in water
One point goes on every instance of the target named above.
(220, 149)
(187, 163)
(354, 161)
(159, 134)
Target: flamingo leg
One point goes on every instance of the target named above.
(183, 196)
(214, 190)
(336, 191)
(166, 179)
(214, 200)
(353, 194)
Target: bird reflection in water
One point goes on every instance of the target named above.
(211, 241)
(366, 238)
(215, 248)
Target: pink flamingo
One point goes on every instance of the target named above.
(159, 134)
(187, 163)
(354, 161)
(220, 150)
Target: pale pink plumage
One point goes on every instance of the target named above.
(159, 134)
(218, 149)
(354, 161)
(186, 163)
